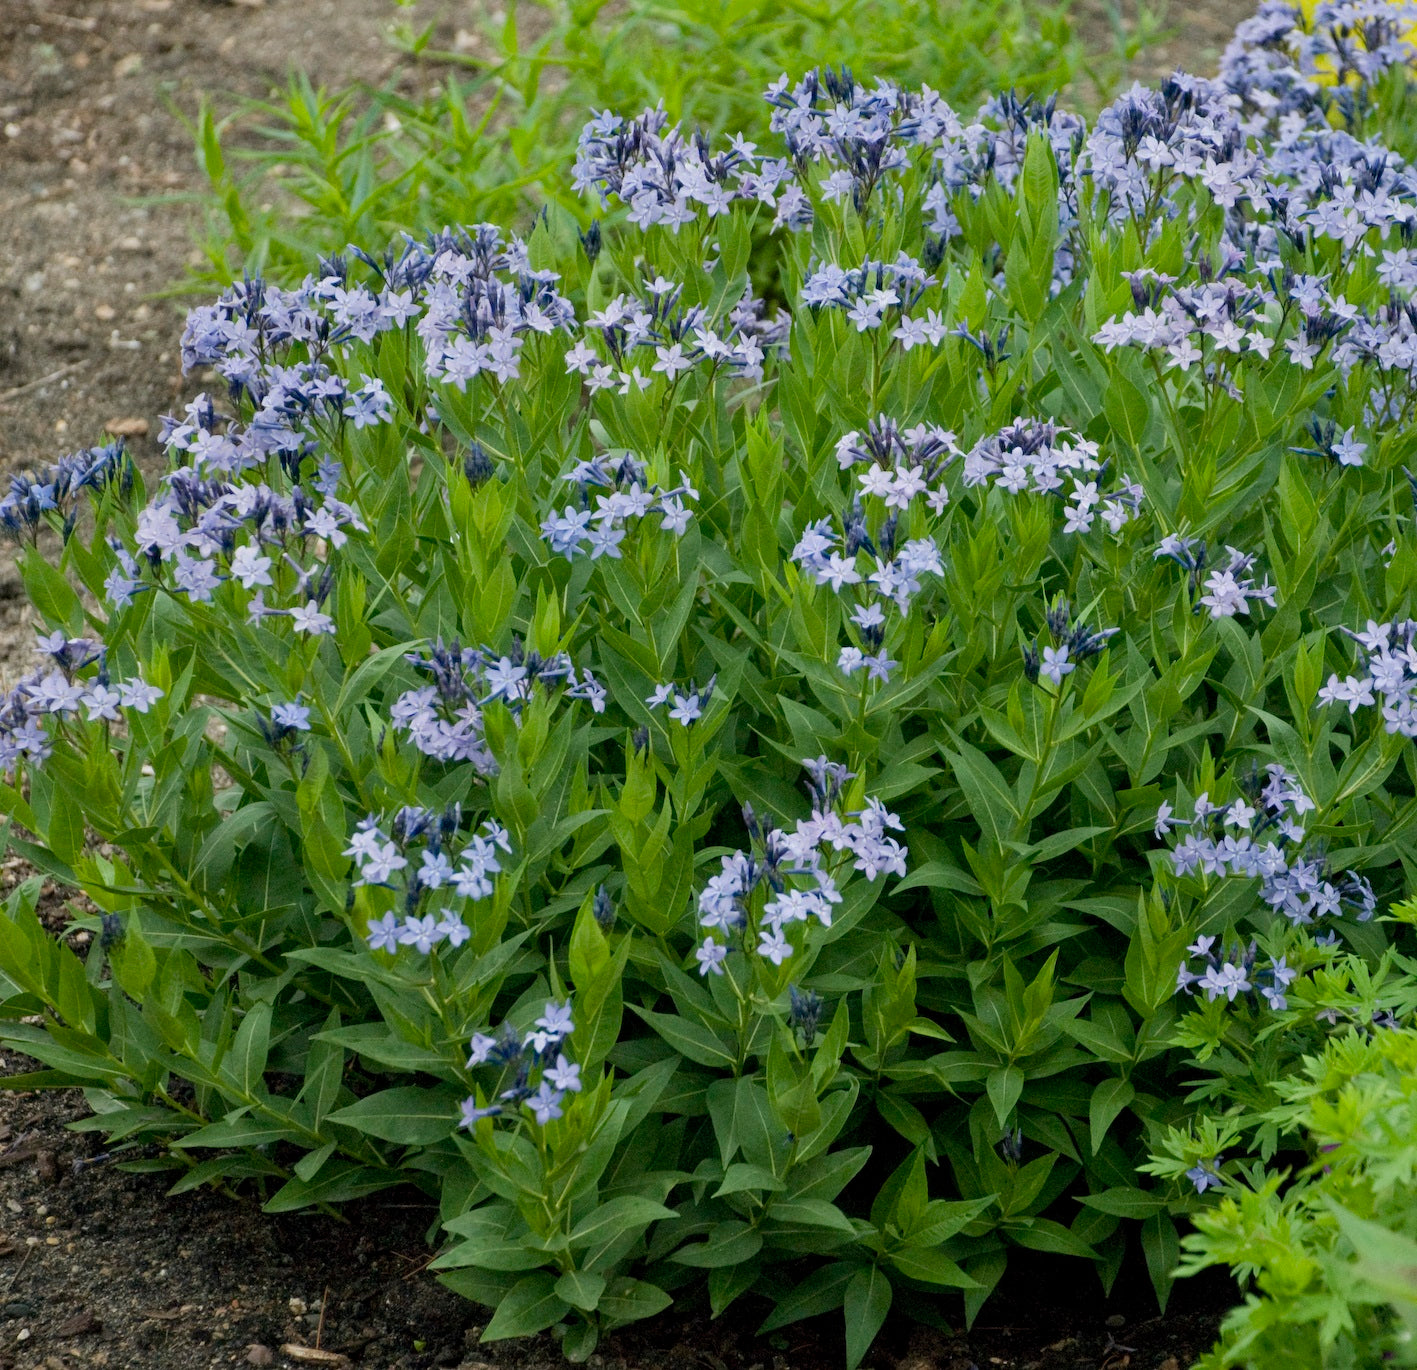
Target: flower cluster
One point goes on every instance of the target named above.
(444, 719)
(1073, 642)
(681, 338)
(632, 496)
(56, 490)
(1224, 839)
(523, 1054)
(900, 465)
(901, 469)
(1148, 143)
(1389, 671)
(481, 298)
(56, 692)
(283, 726)
(1226, 593)
(1259, 143)
(1291, 62)
(790, 873)
(1235, 972)
(874, 290)
(205, 530)
(379, 857)
(1031, 454)
(831, 558)
(662, 175)
(861, 133)
(1197, 323)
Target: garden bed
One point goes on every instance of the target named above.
(98, 1268)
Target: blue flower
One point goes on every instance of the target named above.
(1056, 664)
(472, 1113)
(421, 933)
(556, 1020)
(294, 716)
(546, 1103)
(383, 933)
(565, 1075)
(1205, 1175)
(711, 956)
(480, 1049)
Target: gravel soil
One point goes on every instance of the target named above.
(97, 1267)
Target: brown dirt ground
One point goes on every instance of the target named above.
(96, 1267)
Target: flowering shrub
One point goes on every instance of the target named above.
(690, 781)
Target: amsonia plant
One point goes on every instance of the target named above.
(688, 774)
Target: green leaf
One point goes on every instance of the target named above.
(865, 1305)
(908, 1120)
(627, 1300)
(728, 1243)
(407, 1115)
(245, 1063)
(134, 962)
(819, 1293)
(1125, 1202)
(740, 1176)
(579, 1342)
(691, 1040)
(242, 1130)
(590, 951)
(791, 1091)
(65, 830)
(308, 1166)
(580, 1289)
(811, 1213)
(625, 1212)
(1004, 1087)
(1126, 404)
(531, 1305)
(931, 1267)
(902, 1199)
(1387, 1260)
(728, 1282)
(1162, 1248)
(339, 1181)
(324, 1072)
(991, 801)
(1108, 1100)
(1043, 1234)
(49, 590)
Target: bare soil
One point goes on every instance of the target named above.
(97, 1267)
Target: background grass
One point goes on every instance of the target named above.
(308, 172)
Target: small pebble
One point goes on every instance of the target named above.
(256, 1354)
(1116, 1320)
